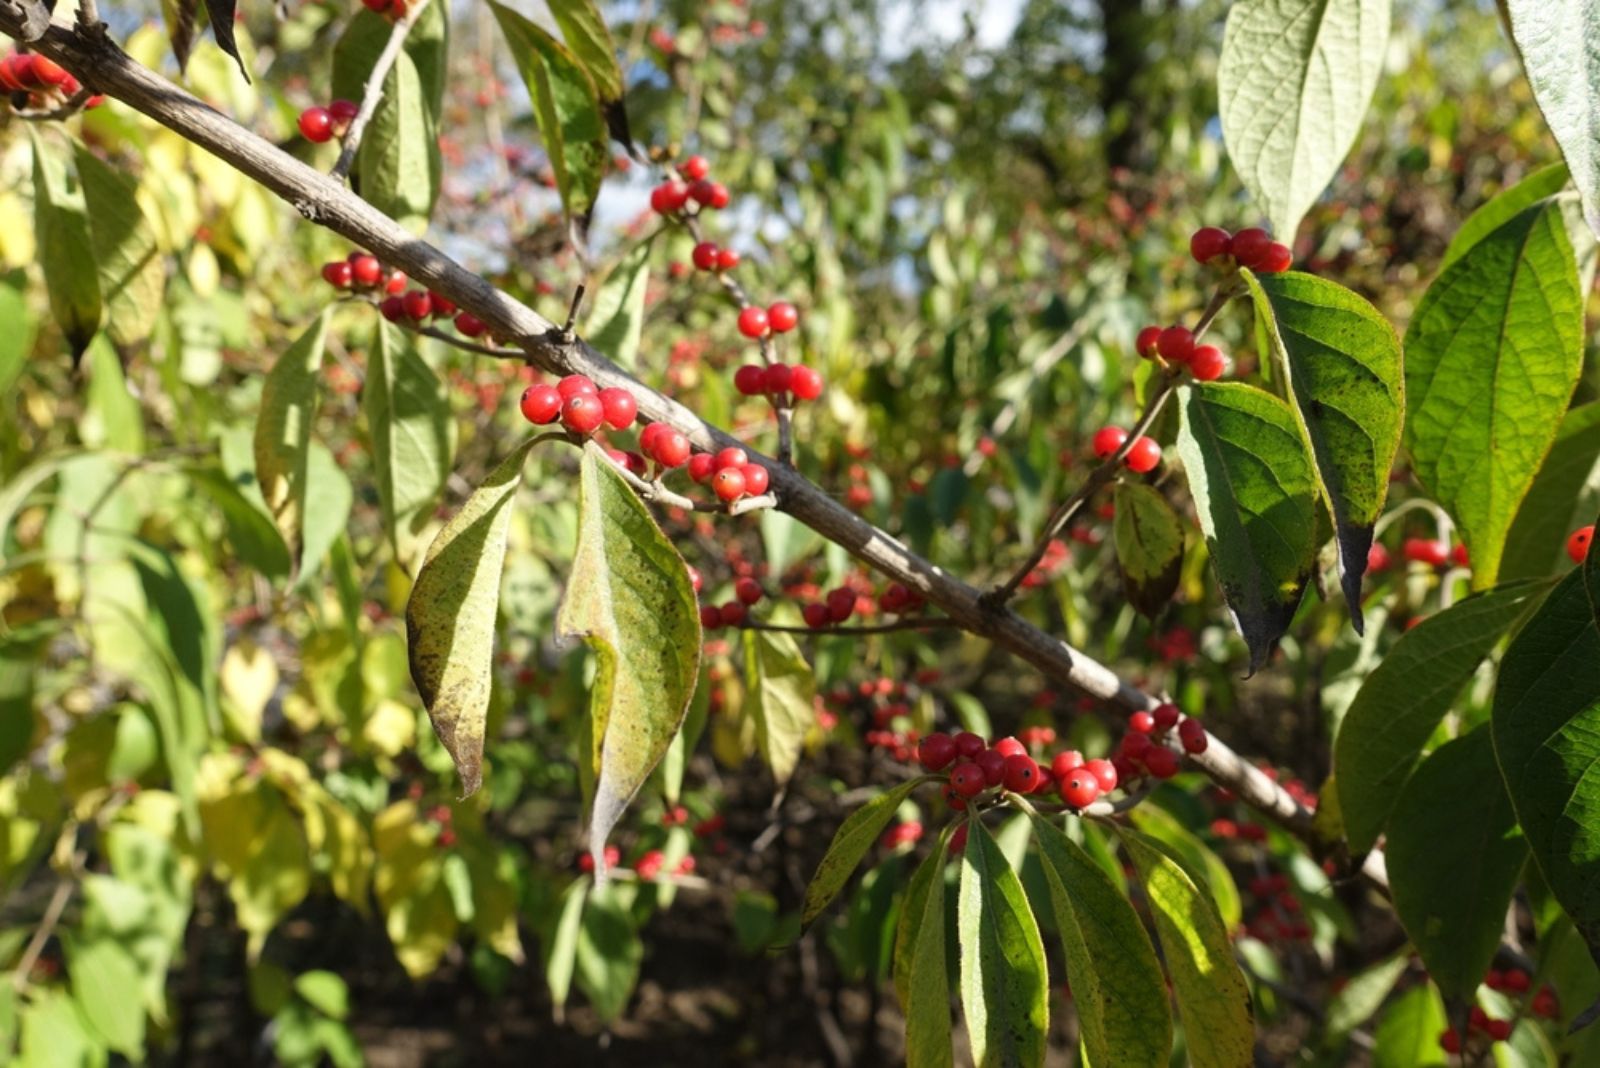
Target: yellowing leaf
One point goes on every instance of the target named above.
(249, 676)
(283, 433)
(780, 688)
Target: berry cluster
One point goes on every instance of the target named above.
(1176, 345)
(319, 124)
(1142, 458)
(361, 272)
(580, 405)
(1252, 248)
(673, 196)
(393, 10)
(975, 766)
(779, 318)
(836, 608)
(708, 257)
(1277, 917)
(1144, 749)
(1578, 543)
(45, 81)
(781, 383)
(729, 473)
(440, 816)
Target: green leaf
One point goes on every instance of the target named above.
(780, 692)
(325, 992)
(586, 35)
(850, 843)
(608, 955)
(1565, 496)
(103, 976)
(616, 318)
(111, 418)
(1004, 985)
(909, 920)
(250, 531)
(1492, 355)
(630, 599)
(1293, 82)
(132, 274)
(566, 109)
(289, 397)
(1454, 854)
(1547, 739)
(16, 343)
(927, 994)
(1342, 360)
(1198, 859)
(1559, 40)
(450, 616)
(1408, 1036)
(356, 52)
(1360, 999)
(61, 228)
(328, 500)
(397, 166)
(54, 1034)
(561, 945)
(1255, 490)
(1149, 539)
(1400, 705)
(1506, 205)
(1117, 985)
(413, 435)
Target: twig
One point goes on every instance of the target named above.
(372, 94)
(658, 493)
(471, 346)
(927, 623)
(42, 933)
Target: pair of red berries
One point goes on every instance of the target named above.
(838, 606)
(1175, 344)
(1142, 458)
(395, 10)
(708, 257)
(674, 195)
(1578, 544)
(779, 381)
(899, 599)
(579, 404)
(362, 271)
(324, 124)
(666, 446)
(779, 318)
(747, 592)
(1252, 248)
(729, 473)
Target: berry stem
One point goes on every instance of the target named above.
(656, 492)
(1068, 509)
(471, 346)
(372, 93)
(67, 109)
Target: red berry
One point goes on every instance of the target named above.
(1578, 544)
(1143, 722)
(418, 305)
(958, 841)
(815, 615)
(620, 408)
(1425, 551)
(756, 479)
(782, 317)
(805, 382)
(1208, 243)
(1449, 1041)
(365, 269)
(1145, 343)
(1021, 774)
(316, 124)
(993, 765)
(343, 112)
(1459, 556)
(470, 325)
(1278, 257)
(396, 285)
(582, 413)
(750, 379)
(48, 72)
(1009, 747)
(1135, 746)
(966, 779)
(1080, 788)
(732, 456)
(541, 404)
(572, 385)
(672, 449)
(709, 194)
(841, 604)
(936, 751)
(337, 274)
(1207, 363)
(728, 484)
(1176, 344)
(1517, 980)
(392, 309)
(1166, 716)
(694, 168)
(1192, 733)
(1065, 763)
(669, 197)
(752, 322)
(776, 379)
(970, 745)
(732, 614)
(649, 865)
(701, 466)
(1103, 773)
(705, 256)
(727, 259)
(710, 616)
(1144, 456)
(1498, 1030)
(441, 307)
(1161, 762)
(1108, 439)
(1250, 245)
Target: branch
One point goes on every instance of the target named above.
(325, 201)
(26, 20)
(372, 94)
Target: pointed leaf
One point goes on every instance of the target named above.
(1149, 539)
(413, 435)
(1213, 1000)
(1198, 859)
(780, 688)
(1400, 705)
(103, 974)
(586, 35)
(398, 166)
(617, 317)
(561, 944)
(289, 399)
(179, 15)
(1547, 739)
(1559, 41)
(1004, 986)
(1294, 82)
(1492, 355)
(61, 228)
(1408, 1035)
(132, 274)
(910, 918)
(221, 13)
(1505, 206)
(450, 616)
(630, 599)
(1255, 489)
(1116, 981)
(566, 110)
(1360, 999)
(1565, 496)
(328, 500)
(1454, 853)
(927, 984)
(855, 836)
(1342, 360)
(608, 954)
